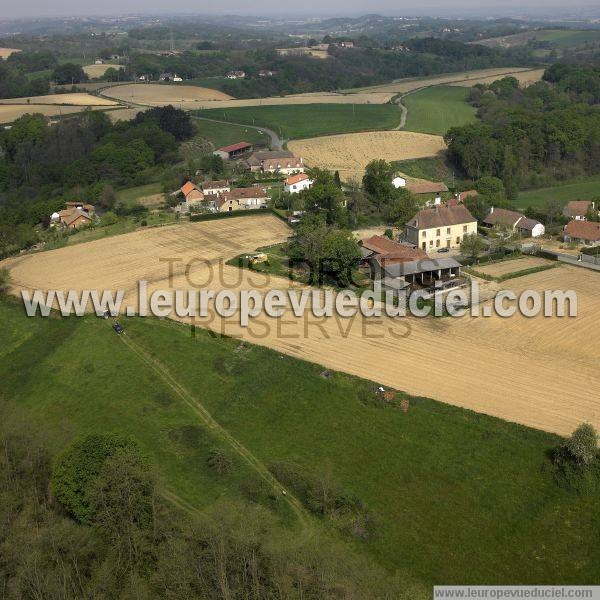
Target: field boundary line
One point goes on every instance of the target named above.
(192, 402)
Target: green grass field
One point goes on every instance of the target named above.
(223, 134)
(309, 120)
(456, 497)
(433, 169)
(569, 38)
(585, 189)
(436, 109)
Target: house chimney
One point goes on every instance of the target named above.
(491, 210)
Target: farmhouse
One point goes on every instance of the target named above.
(247, 198)
(235, 74)
(582, 232)
(233, 151)
(256, 160)
(215, 188)
(76, 214)
(579, 209)
(226, 204)
(192, 194)
(401, 266)
(427, 187)
(285, 166)
(515, 220)
(440, 227)
(297, 183)
(398, 182)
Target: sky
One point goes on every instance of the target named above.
(60, 8)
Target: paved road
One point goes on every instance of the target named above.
(572, 260)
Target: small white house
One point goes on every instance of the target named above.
(177, 79)
(298, 183)
(399, 182)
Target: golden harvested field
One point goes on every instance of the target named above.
(350, 153)
(541, 372)
(154, 94)
(512, 266)
(124, 114)
(94, 71)
(11, 112)
(466, 78)
(525, 78)
(6, 52)
(188, 97)
(77, 99)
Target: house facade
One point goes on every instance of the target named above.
(284, 166)
(582, 232)
(297, 183)
(216, 188)
(246, 198)
(440, 227)
(515, 220)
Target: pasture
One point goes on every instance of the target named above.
(149, 195)
(222, 134)
(95, 71)
(293, 122)
(586, 189)
(156, 94)
(513, 267)
(350, 153)
(68, 377)
(436, 109)
(436, 358)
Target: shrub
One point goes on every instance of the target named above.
(583, 444)
(77, 468)
(219, 461)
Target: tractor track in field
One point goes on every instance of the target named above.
(208, 420)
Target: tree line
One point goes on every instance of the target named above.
(532, 136)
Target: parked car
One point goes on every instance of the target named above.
(444, 250)
(118, 327)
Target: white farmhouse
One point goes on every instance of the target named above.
(399, 182)
(298, 183)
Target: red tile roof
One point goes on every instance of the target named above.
(501, 216)
(578, 208)
(441, 216)
(427, 187)
(251, 192)
(389, 252)
(296, 178)
(188, 187)
(234, 147)
(583, 230)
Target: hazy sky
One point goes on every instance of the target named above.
(33, 8)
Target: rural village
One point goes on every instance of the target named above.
(196, 456)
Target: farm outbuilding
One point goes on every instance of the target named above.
(233, 151)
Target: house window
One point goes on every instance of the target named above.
(437, 243)
(447, 230)
(458, 240)
(431, 243)
(464, 229)
(424, 234)
(438, 232)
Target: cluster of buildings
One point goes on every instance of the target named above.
(219, 196)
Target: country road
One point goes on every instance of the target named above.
(276, 141)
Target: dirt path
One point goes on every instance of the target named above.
(207, 419)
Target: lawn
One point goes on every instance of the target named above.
(134, 195)
(309, 120)
(436, 109)
(223, 134)
(586, 189)
(455, 497)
